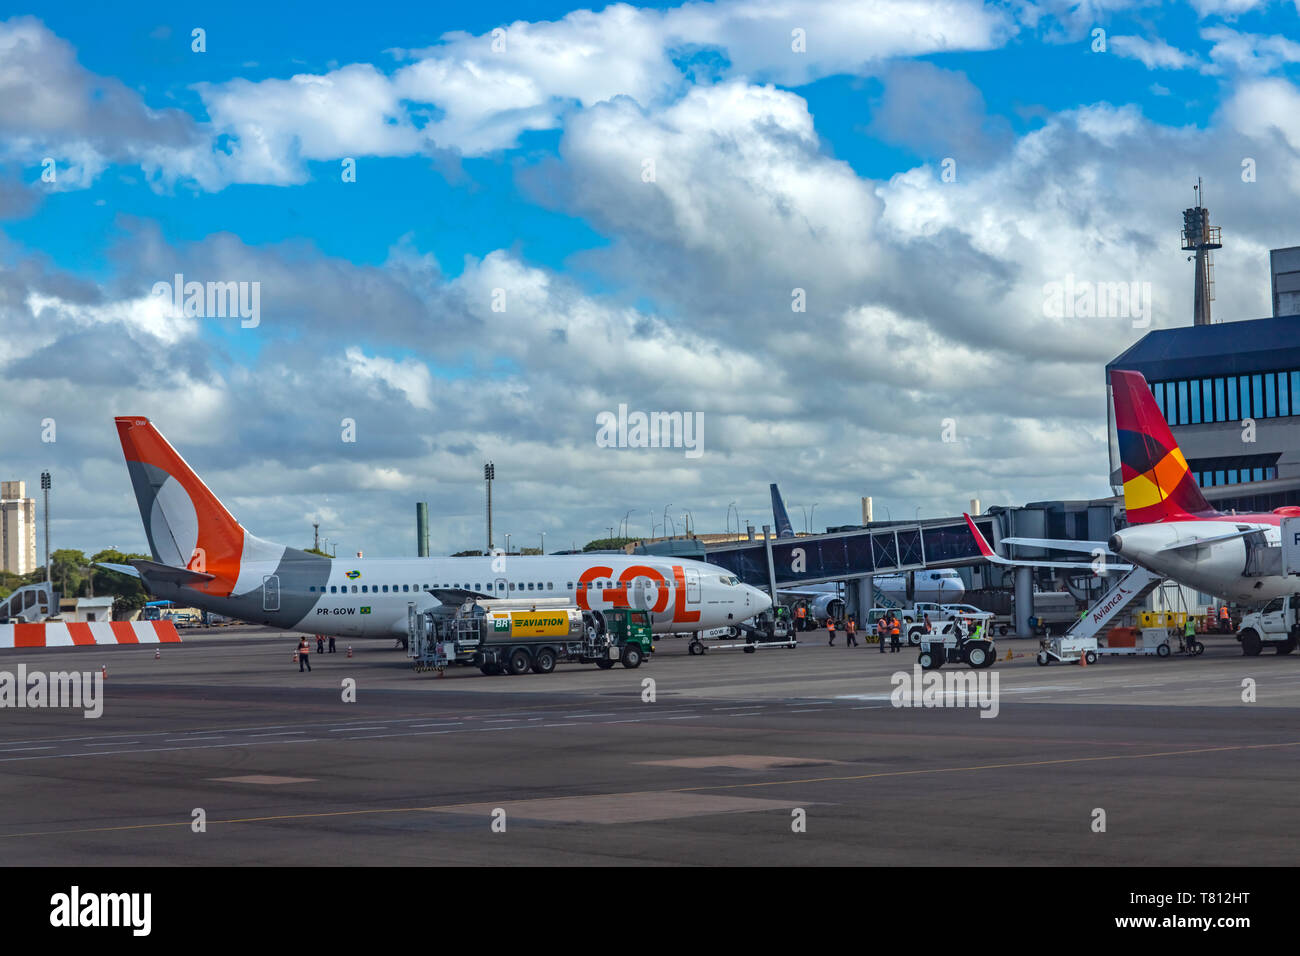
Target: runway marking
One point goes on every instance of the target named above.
(688, 717)
(16, 749)
(724, 786)
(812, 710)
(112, 743)
(280, 733)
(348, 730)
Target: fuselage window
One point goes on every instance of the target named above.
(406, 587)
(334, 589)
(530, 585)
(354, 589)
(385, 588)
(365, 589)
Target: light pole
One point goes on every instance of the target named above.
(45, 488)
(543, 534)
(625, 519)
(729, 507)
(690, 520)
(489, 473)
(507, 542)
(668, 519)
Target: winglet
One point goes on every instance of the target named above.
(983, 545)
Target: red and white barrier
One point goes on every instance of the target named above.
(81, 635)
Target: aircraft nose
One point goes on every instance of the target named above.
(761, 601)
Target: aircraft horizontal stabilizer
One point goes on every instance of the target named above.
(993, 557)
(1200, 542)
(180, 577)
(1086, 547)
(126, 569)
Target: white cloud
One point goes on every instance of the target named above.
(1154, 54)
(1248, 52)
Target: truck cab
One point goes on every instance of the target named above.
(1275, 625)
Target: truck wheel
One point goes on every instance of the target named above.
(977, 655)
(694, 648)
(631, 656)
(1091, 656)
(520, 661)
(544, 661)
(1162, 650)
(1250, 643)
(1043, 659)
(926, 660)
(1198, 649)
(914, 639)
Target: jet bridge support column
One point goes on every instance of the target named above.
(771, 565)
(1024, 601)
(866, 599)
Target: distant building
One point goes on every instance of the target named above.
(1284, 264)
(17, 528)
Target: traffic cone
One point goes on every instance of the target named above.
(1083, 658)
(349, 650)
(1008, 657)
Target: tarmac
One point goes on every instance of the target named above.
(781, 757)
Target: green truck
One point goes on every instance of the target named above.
(629, 630)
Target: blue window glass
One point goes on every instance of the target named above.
(1257, 474)
(1158, 390)
(1182, 403)
(1232, 476)
(1232, 399)
(1283, 395)
(1245, 395)
(1257, 396)
(1207, 401)
(1270, 395)
(1219, 412)
(1194, 412)
(1270, 473)
(1295, 393)
(1218, 477)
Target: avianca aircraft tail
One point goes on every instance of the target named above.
(1157, 483)
(194, 540)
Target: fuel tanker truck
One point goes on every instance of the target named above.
(515, 636)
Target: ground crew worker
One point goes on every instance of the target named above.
(850, 630)
(304, 654)
(830, 629)
(1189, 633)
(929, 628)
(893, 635)
(320, 643)
(1225, 620)
(801, 613)
(882, 628)
(331, 643)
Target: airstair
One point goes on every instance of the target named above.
(1132, 588)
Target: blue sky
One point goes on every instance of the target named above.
(521, 169)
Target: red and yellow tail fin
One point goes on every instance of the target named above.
(1157, 482)
(186, 524)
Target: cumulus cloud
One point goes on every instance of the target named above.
(1153, 54)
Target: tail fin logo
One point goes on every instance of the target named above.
(186, 525)
(1157, 482)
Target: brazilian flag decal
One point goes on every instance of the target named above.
(365, 609)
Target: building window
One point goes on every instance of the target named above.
(1283, 396)
(1219, 413)
(1158, 390)
(1182, 403)
(1194, 412)
(1270, 395)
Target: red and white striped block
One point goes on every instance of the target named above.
(80, 635)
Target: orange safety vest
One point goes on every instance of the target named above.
(830, 624)
(304, 647)
(1223, 613)
(801, 611)
(851, 627)
(894, 627)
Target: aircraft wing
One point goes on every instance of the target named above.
(992, 556)
(457, 596)
(1086, 547)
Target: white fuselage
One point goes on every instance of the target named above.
(1217, 568)
(370, 597)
